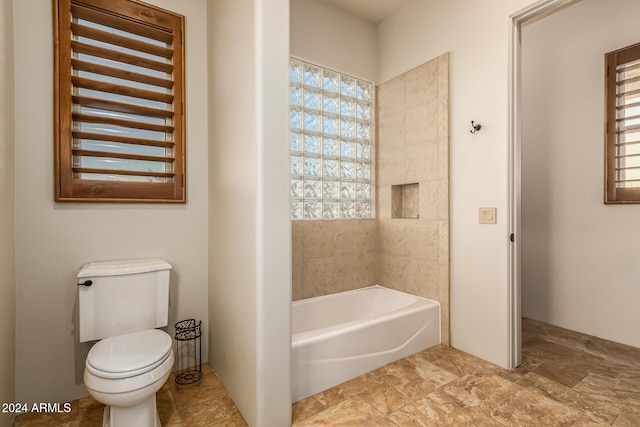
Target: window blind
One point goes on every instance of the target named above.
(121, 102)
(623, 125)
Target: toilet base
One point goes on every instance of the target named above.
(144, 414)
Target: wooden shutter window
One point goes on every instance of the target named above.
(622, 157)
(119, 88)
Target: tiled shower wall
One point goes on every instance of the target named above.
(332, 256)
(413, 147)
(407, 254)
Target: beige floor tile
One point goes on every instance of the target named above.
(566, 378)
(518, 406)
(627, 420)
(331, 396)
(615, 383)
(472, 390)
(560, 363)
(195, 395)
(205, 414)
(353, 412)
(362, 383)
(530, 329)
(236, 416)
(415, 377)
(91, 419)
(205, 405)
(614, 352)
(445, 412)
(384, 398)
(306, 408)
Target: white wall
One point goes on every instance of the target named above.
(333, 38)
(7, 205)
(249, 228)
(580, 266)
(478, 38)
(54, 239)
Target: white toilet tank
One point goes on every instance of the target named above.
(122, 297)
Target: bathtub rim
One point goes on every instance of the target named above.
(305, 338)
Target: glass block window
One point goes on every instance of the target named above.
(330, 143)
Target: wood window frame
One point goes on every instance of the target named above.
(144, 20)
(613, 194)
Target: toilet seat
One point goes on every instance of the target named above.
(125, 356)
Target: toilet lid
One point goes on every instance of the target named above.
(130, 354)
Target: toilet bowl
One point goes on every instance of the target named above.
(120, 305)
(125, 371)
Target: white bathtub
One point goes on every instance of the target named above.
(341, 336)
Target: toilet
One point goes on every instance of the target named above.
(121, 303)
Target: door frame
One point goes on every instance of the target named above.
(536, 11)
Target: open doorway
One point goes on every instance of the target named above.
(528, 15)
(578, 272)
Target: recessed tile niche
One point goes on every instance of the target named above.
(405, 201)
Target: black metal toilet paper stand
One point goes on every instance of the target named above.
(188, 352)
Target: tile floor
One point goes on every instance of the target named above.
(566, 379)
(206, 405)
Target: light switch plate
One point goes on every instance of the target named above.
(487, 215)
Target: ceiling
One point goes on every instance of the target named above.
(371, 10)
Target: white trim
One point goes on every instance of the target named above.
(536, 11)
(514, 339)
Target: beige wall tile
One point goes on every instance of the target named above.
(443, 283)
(349, 235)
(422, 240)
(391, 96)
(296, 240)
(414, 274)
(421, 123)
(391, 130)
(392, 270)
(392, 169)
(422, 162)
(297, 290)
(392, 237)
(444, 323)
(443, 94)
(423, 267)
(370, 236)
(443, 78)
(370, 269)
(443, 119)
(296, 263)
(342, 269)
(443, 199)
(431, 280)
(422, 84)
(443, 242)
(318, 239)
(349, 271)
(383, 209)
(429, 200)
(318, 277)
(443, 158)
(421, 278)
(443, 63)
